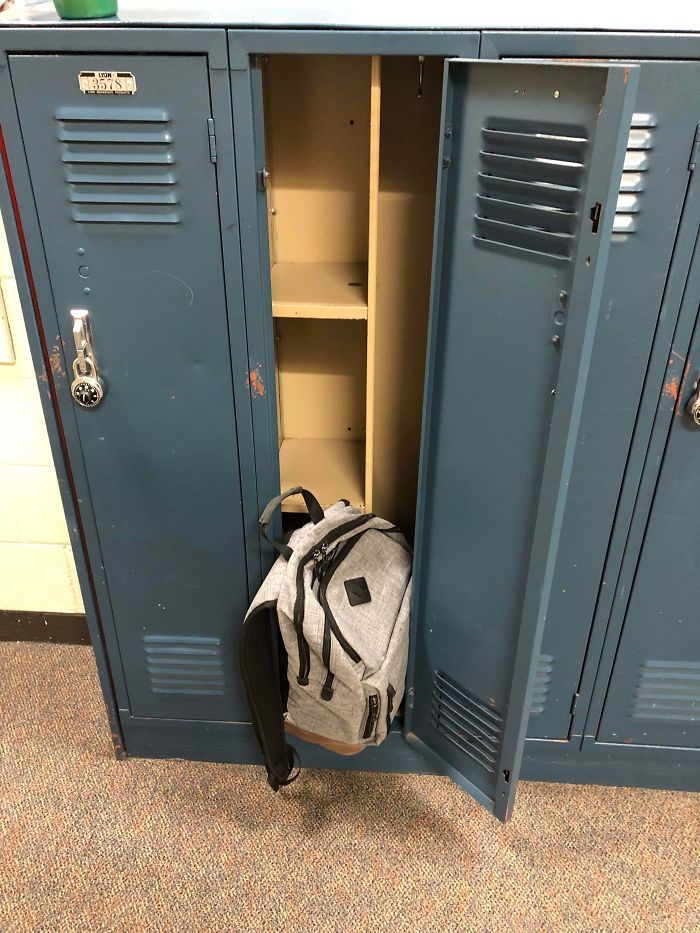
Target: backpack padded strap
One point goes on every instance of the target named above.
(261, 677)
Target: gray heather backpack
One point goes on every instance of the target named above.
(339, 594)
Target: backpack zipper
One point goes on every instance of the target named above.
(330, 623)
(304, 653)
(372, 713)
(329, 620)
(322, 558)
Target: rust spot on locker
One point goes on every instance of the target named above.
(670, 389)
(674, 383)
(56, 359)
(117, 747)
(680, 410)
(255, 383)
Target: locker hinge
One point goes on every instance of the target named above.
(211, 130)
(574, 701)
(447, 146)
(262, 178)
(695, 151)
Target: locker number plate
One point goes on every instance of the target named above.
(107, 82)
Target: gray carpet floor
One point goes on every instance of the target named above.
(88, 843)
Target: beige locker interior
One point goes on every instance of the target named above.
(351, 150)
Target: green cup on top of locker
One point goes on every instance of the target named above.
(85, 9)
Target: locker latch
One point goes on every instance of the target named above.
(211, 132)
(421, 71)
(87, 388)
(693, 406)
(262, 178)
(695, 150)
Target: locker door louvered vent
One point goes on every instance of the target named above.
(668, 690)
(119, 164)
(543, 677)
(471, 725)
(529, 187)
(185, 665)
(634, 175)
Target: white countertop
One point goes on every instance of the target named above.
(667, 16)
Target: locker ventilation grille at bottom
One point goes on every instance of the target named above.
(185, 665)
(668, 690)
(529, 187)
(471, 725)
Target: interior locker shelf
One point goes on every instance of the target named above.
(333, 290)
(331, 469)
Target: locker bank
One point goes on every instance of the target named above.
(448, 272)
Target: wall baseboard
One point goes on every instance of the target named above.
(59, 628)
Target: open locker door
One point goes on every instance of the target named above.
(530, 165)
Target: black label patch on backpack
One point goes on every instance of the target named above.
(358, 591)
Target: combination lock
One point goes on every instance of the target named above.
(693, 406)
(87, 388)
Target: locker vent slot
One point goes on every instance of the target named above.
(466, 722)
(193, 666)
(529, 187)
(668, 690)
(634, 176)
(541, 688)
(119, 164)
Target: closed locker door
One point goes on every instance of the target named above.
(649, 206)
(653, 696)
(126, 196)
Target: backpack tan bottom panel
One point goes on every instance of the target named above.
(340, 748)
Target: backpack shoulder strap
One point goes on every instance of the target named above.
(261, 677)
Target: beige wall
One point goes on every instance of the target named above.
(37, 571)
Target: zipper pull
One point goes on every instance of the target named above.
(327, 562)
(319, 556)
